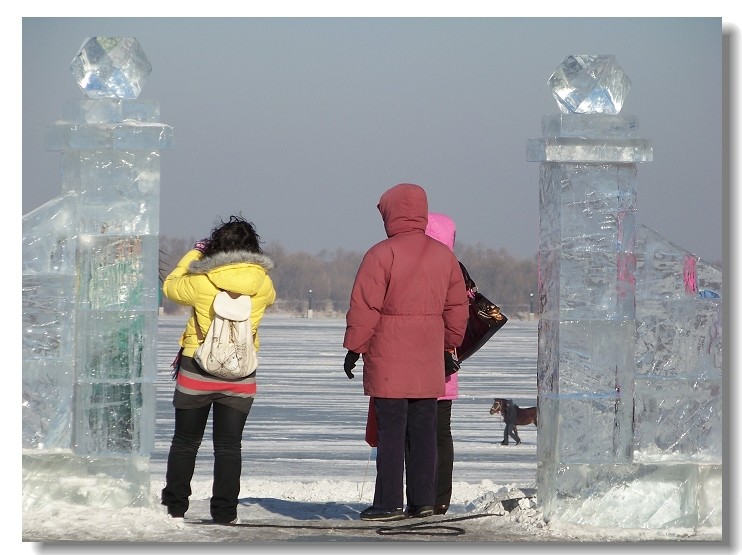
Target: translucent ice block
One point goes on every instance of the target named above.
(48, 316)
(596, 357)
(590, 126)
(665, 270)
(47, 404)
(118, 272)
(130, 135)
(587, 207)
(595, 286)
(110, 110)
(678, 420)
(119, 191)
(49, 237)
(589, 84)
(586, 428)
(566, 149)
(114, 418)
(113, 345)
(100, 481)
(679, 306)
(636, 495)
(111, 67)
(114, 411)
(680, 339)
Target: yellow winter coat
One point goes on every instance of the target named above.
(196, 280)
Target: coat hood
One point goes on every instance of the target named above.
(404, 207)
(441, 228)
(205, 265)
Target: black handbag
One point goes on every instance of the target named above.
(485, 319)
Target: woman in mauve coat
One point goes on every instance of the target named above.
(408, 303)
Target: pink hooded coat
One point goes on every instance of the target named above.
(443, 229)
(408, 303)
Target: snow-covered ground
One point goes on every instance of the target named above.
(307, 471)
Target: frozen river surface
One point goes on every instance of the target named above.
(308, 472)
(308, 420)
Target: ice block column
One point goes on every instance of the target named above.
(98, 422)
(630, 337)
(587, 201)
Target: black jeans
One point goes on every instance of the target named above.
(228, 424)
(445, 454)
(406, 430)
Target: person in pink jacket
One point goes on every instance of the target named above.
(407, 305)
(443, 229)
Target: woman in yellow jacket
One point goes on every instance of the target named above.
(231, 260)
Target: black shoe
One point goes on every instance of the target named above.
(503, 443)
(175, 513)
(227, 522)
(376, 513)
(414, 511)
(440, 509)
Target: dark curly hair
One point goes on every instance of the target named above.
(237, 234)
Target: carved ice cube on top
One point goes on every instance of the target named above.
(111, 67)
(589, 84)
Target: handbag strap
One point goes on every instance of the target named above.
(468, 281)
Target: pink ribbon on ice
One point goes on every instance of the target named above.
(689, 275)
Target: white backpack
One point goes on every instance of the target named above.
(228, 350)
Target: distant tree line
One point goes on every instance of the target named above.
(505, 280)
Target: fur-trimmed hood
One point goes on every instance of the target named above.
(205, 265)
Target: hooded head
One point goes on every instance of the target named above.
(404, 207)
(441, 228)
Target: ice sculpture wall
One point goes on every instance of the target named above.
(630, 340)
(90, 291)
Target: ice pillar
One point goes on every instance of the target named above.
(90, 291)
(612, 446)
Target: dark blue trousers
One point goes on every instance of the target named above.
(405, 425)
(228, 424)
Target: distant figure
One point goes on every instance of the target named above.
(513, 416)
(510, 414)
(408, 303)
(230, 259)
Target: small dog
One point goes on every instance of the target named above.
(513, 416)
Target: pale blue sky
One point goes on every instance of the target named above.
(301, 124)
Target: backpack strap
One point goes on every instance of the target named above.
(199, 333)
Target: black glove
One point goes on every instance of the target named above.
(350, 362)
(450, 364)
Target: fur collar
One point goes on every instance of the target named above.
(207, 264)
